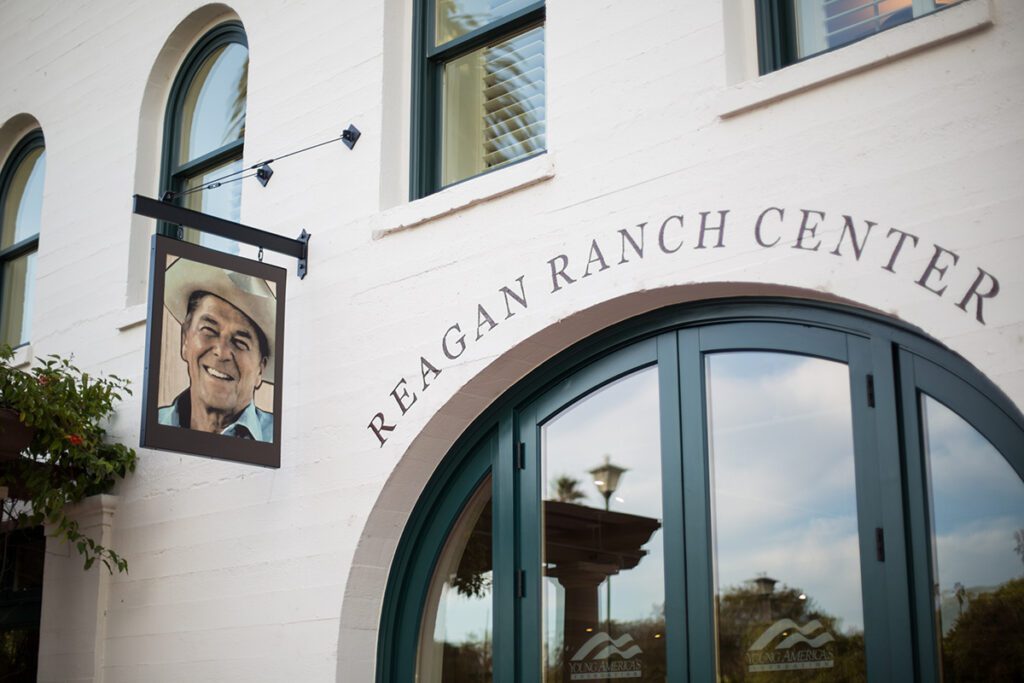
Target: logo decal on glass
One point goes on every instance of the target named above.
(591, 663)
(784, 656)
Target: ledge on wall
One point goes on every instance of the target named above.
(466, 194)
(928, 31)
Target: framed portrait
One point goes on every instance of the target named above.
(214, 349)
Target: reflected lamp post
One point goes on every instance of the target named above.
(606, 479)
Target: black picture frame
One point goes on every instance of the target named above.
(191, 441)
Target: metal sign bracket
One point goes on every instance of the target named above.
(176, 215)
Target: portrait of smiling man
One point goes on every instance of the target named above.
(227, 333)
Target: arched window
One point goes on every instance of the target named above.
(205, 127)
(727, 492)
(21, 206)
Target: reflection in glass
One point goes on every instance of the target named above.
(604, 586)
(977, 502)
(787, 560)
(213, 113)
(825, 24)
(454, 18)
(23, 204)
(455, 636)
(224, 202)
(493, 106)
(16, 304)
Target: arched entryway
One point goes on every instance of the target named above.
(740, 489)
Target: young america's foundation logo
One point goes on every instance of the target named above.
(593, 661)
(785, 656)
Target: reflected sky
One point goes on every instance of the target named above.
(977, 505)
(781, 444)
(214, 107)
(621, 421)
(24, 203)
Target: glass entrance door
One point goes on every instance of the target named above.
(786, 554)
(708, 506)
(725, 498)
(603, 560)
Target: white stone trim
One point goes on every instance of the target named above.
(73, 622)
(466, 194)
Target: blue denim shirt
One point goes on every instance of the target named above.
(252, 423)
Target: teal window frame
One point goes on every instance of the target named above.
(172, 173)
(428, 83)
(28, 144)
(890, 478)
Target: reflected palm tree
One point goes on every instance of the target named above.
(985, 642)
(567, 489)
(235, 128)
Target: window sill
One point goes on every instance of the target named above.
(23, 356)
(465, 195)
(934, 29)
(132, 316)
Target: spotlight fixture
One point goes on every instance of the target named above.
(350, 136)
(263, 173)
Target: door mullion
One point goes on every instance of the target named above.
(696, 511)
(887, 634)
(894, 597)
(672, 506)
(504, 553)
(874, 536)
(919, 525)
(529, 549)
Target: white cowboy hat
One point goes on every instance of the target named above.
(251, 295)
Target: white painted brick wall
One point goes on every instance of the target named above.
(239, 574)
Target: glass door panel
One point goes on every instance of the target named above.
(456, 634)
(787, 567)
(977, 506)
(603, 605)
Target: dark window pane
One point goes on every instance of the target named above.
(22, 553)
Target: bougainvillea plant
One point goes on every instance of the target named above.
(68, 458)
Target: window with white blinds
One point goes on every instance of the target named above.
(791, 30)
(493, 106)
(482, 101)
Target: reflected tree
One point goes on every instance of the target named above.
(567, 489)
(473, 577)
(469, 661)
(236, 123)
(986, 642)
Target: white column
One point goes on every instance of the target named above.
(72, 634)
